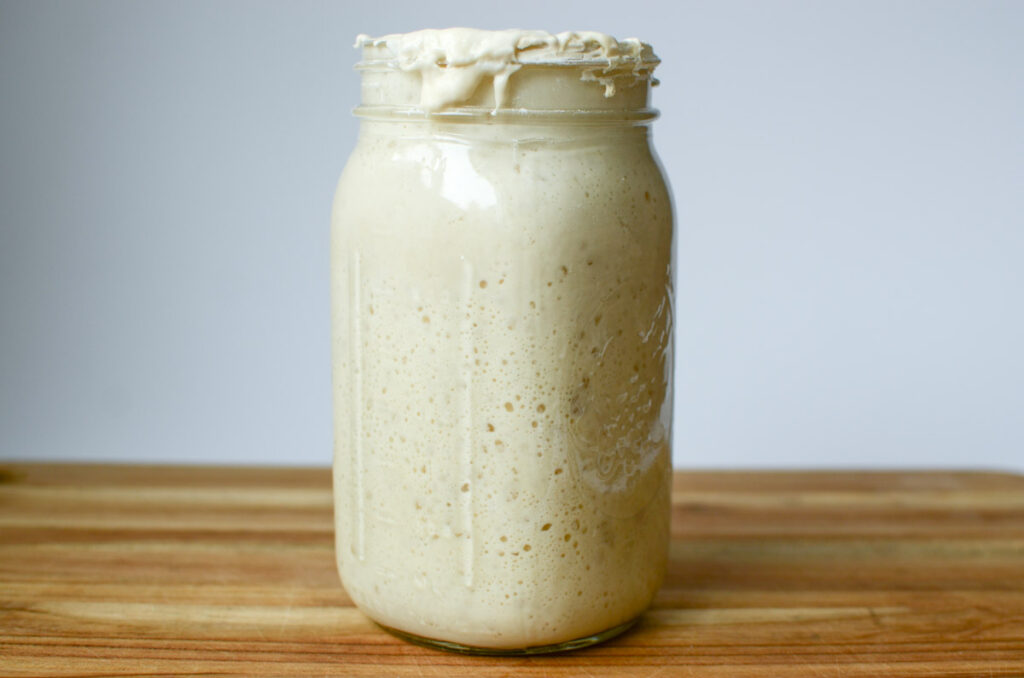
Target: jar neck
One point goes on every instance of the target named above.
(532, 94)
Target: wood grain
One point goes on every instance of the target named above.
(128, 571)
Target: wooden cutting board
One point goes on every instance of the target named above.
(117, 570)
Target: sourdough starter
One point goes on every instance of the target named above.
(502, 312)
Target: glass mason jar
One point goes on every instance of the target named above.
(501, 259)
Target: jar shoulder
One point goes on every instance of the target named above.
(559, 179)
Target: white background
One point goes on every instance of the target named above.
(849, 180)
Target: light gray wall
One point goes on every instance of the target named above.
(849, 180)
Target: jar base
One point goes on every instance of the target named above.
(459, 648)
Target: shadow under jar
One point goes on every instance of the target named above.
(502, 334)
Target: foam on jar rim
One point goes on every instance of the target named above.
(453, 62)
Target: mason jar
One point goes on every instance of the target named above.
(501, 258)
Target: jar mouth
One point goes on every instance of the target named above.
(449, 67)
(461, 47)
